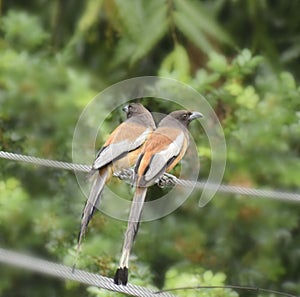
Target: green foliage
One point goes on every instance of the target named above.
(142, 25)
(196, 24)
(36, 86)
(90, 15)
(13, 200)
(45, 84)
(136, 27)
(38, 83)
(195, 277)
(264, 26)
(176, 65)
(23, 31)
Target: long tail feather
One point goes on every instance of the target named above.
(91, 204)
(121, 275)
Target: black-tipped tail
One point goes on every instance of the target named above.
(121, 276)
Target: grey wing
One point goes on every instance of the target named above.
(116, 150)
(160, 161)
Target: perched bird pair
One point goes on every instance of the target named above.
(153, 151)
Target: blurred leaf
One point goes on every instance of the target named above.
(23, 31)
(144, 23)
(12, 201)
(197, 278)
(194, 22)
(90, 17)
(185, 25)
(248, 98)
(217, 63)
(176, 64)
(288, 80)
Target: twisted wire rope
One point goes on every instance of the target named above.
(65, 272)
(229, 189)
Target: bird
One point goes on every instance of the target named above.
(162, 151)
(120, 151)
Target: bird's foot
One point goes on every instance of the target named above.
(166, 180)
(121, 276)
(125, 174)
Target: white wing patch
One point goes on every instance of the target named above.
(159, 161)
(115, 150)
(141, 139)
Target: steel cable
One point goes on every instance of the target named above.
(65, 272)
(229, 189)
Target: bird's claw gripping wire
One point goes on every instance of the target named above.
(166, 180)
(125, 174)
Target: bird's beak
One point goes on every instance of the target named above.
(126, 108)
(195, 115)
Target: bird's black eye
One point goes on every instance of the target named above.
(185, 116)
(132, 108)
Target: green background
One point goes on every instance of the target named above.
(243, 56)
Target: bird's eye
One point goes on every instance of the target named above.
(185, 116)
